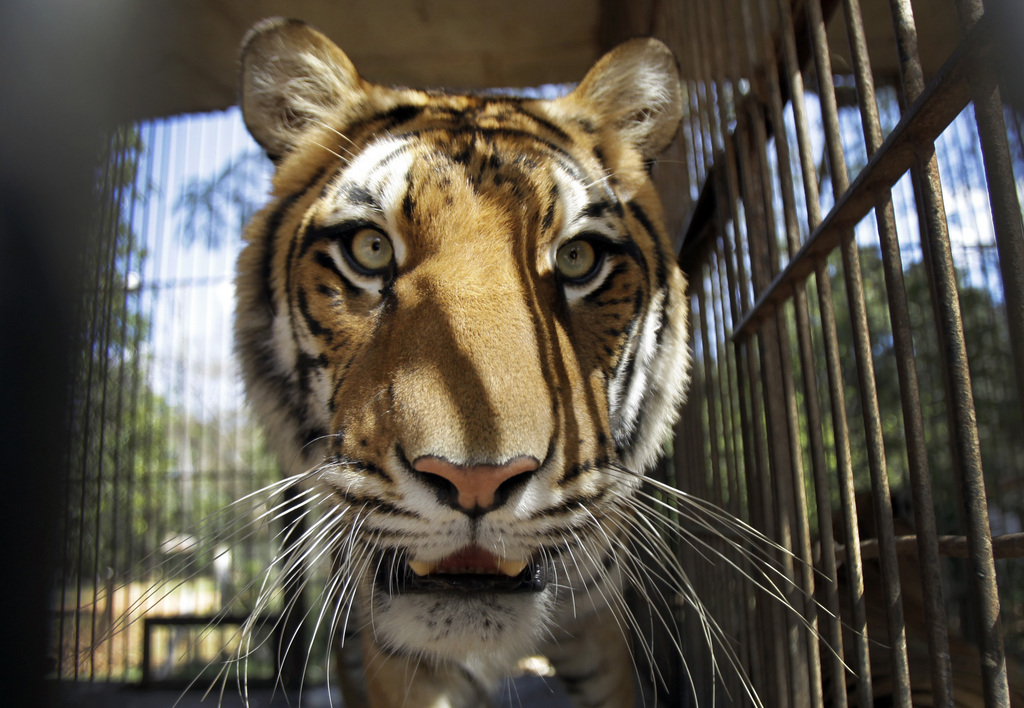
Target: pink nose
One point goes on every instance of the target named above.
(476, 487)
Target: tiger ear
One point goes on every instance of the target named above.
(291, 76)
(634, 89)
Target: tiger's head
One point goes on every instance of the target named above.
(464, 315)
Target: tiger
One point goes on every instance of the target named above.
(461, 323)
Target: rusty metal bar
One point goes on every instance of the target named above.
(805, 683)
(1009, 545)
(928, 115)
(775, 450)
(960, 405)
(921, 483)
(1006, 210)
(762, 616)
(724, 351)
(940, 665)
(728, 276)
(740, 587)
(830, 591)
(774, 439)
(858, 620)
(865, 372)
(770, 457)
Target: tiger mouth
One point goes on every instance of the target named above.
(469, 570)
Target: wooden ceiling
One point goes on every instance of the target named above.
(161, 57)
(178, 56)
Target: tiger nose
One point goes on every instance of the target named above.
(475, 489)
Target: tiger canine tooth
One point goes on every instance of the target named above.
(511, 568)
(422, 568)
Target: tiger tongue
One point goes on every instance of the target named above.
(471, 559)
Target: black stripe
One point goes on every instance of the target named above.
(270, 238)
(546, 124)
(661, 271)
(549, 214)
(358, 194)
(575, 471)
(512, 133)
(407, 113)
(408, 204)
(595, 210)
(314, 327)
(324, 260)
(305, 366)
(371, 503)
(623, 442)
(397, 116)
(618, 269)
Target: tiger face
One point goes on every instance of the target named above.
(462, 324)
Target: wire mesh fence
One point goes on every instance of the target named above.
(161, 442)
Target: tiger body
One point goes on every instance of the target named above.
(461, 322)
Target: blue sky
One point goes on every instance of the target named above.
(187, 278)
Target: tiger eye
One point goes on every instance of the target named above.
(576, 259)
(371, 249)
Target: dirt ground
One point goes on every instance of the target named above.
(523, 692)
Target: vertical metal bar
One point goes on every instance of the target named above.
(700, 483)
(823, 500)
(866, 382)
(134, 300)
(831, 599)
(151, 541)
(1006, 210)
(717, 276)
(858, 619)
(803, 547)
(737, 588)
(924, 510)
(772, 658)
(766, 394)
(104, 274)
(781, 427)
(122, 233)
(77, 419)
(960, 406)
(712, 66)
(794, 491)
(910, 398)
(728, 185)
(698, 135)
(865, 373)
(748, 413)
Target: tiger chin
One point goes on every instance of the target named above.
(461, 323)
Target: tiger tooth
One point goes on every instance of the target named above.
(511, 568)
(422, 568)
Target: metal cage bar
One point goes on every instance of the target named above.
(790, 264)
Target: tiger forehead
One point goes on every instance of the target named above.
(430, 157)
(460, 113)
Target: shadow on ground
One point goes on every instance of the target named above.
(523, 692)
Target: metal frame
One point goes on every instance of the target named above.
(766, 334)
